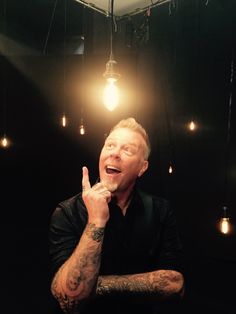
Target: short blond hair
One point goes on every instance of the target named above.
(132, 124)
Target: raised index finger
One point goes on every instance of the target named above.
(85, 179)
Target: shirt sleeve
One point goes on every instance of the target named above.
(64, 235)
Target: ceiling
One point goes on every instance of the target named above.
(122, 8)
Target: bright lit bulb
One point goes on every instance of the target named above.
(4, 142)
(225, 225)
(111, 95)
(170, 170)
(82, 129)
(63, 121)
(192, 126)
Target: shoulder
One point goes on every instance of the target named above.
(71, 202)
(157, 204)
(70, 210)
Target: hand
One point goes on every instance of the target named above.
(96, 199)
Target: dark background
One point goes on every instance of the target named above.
(177, 71)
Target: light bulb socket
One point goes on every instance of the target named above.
(111, 72)
(225, 212)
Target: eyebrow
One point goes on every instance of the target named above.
(127, 143)
(131, 144)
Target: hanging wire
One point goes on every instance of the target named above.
(4, 73)
(50, 27)
(113, 18)
(169, 135)
(192, 87)
(83, 38)
(142, 31)
(82, 125)
(65, 27)
(173, 4)
(229, 126)
(64, 54)
(111, 28)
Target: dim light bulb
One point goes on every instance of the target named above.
(82, 129)
(64, 121)
(111, 94)
(192, 126)
(5, 142)
(225, 225)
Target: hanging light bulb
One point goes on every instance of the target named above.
(64, 121)
(192, 126)
(170, 169)
(81, 127)
(5, 142)
(111, 93)
(225, 224)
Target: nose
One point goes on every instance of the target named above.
(115, 152)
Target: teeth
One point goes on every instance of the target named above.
(112, 168)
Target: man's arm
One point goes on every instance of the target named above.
(158, 285)
(77, 277)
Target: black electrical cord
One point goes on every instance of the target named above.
(50, 26)
(112, 23)
(229, 126)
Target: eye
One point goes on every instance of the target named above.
(129, 150)
(109, 145)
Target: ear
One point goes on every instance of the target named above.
(144, 168)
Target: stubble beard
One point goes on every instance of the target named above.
(111, 186)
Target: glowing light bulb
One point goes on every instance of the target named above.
(111, 95)
(82, 129)
(63, 121)
(170, 170)
(192, 126)
(224, 225)
(4, 142)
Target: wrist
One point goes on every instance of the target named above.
(97, 222)
(94, 231)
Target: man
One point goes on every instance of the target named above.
(115, 249)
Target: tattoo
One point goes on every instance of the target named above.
(76, 279)
(95, 233)
(163, 283)
(67, 304)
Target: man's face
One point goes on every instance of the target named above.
(122, 159)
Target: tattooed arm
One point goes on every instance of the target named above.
(76, 278)
(160, 284)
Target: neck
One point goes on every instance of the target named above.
(123, 199)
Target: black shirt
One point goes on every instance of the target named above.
(143, 240)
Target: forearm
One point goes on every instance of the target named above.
(77, 277)
(161, 284)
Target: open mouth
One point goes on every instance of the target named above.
(112, 170)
